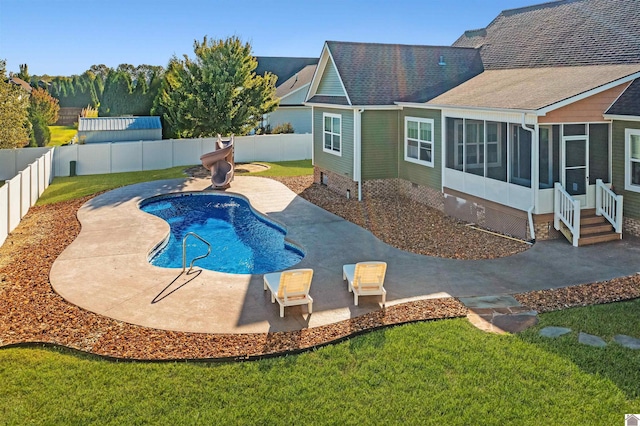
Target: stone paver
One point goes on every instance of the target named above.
(627, 341)
(554, 332)
(591, 340)
(105, 270)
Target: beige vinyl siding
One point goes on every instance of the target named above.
(342, 164)
(416, 173)
(380, 134)
(631, 199)
(330, 82)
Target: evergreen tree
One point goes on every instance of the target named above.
(115, 97)
(217, 92)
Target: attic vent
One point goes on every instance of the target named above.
(442, 62)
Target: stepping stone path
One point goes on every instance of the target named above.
(503, 314)
(590, 339)
(499, 314)
(554, 331)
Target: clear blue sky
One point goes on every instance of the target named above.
(63, 37)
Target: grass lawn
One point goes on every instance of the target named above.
(439, 372)
(61, 134)
(287, 168)
(69, 188)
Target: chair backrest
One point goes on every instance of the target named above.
(295, 283)
(369, 274)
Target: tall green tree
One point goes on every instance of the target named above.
(116, 94)
(14, 104)
(216, 92)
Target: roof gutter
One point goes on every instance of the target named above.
(621, 117)
(473, 108)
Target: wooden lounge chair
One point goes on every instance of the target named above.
(290, 288)
(366, 279)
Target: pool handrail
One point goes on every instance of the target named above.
(184, 251)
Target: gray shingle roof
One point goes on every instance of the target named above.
(560, 33)
(118, 123)
(283, 67)
(628, 103)
(296, 81)
(531, 88)
(381, 74)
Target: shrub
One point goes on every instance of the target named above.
(282, 128)
(41, 131)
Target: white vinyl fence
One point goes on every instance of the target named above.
(26, 172)
(119, 157)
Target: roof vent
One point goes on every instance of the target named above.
(442, 62)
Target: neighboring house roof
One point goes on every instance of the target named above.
(381, 74)
(20, 82)
(560, 33)
(628, 103)
(118, 123)
(532, 89)
(296, 82)
(284, 68)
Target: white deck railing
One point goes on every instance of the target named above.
(609, 205)
(566, 210)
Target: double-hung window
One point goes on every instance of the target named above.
(632, 160)
(332, 133)
(418, 147)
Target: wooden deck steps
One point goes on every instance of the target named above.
(595, 229)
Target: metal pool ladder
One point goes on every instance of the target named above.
(184, 251)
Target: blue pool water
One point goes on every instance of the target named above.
(242, 241)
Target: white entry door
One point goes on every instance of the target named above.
(575, 167)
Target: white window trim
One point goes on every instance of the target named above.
(462, 162)
(324, 132)
(627, 160)
(420, 141)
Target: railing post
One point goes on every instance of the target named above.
(618, 224)
(576, 222)
(556, 206)
(599, 185)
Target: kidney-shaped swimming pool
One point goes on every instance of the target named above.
(242, 240)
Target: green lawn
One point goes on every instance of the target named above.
(439, 372)
(287, 168)
(68, 188)
(61, 134)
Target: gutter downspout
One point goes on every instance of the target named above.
(357, 158)
(533, 189)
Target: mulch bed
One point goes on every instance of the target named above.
(32, 313)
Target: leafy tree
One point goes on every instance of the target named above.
(217, 92)
(14, 103)
(43, 105)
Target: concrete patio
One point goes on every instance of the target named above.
(105, 270)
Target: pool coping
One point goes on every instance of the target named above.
(105, 270)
